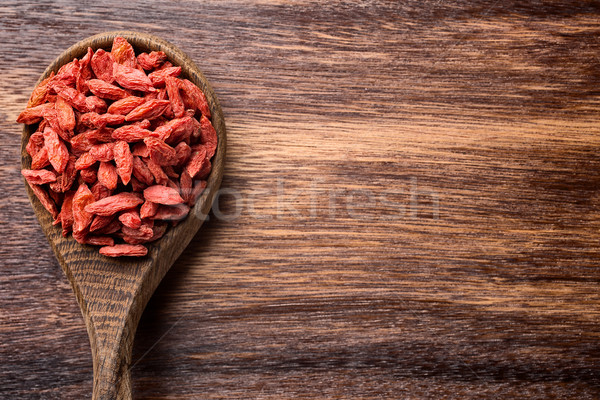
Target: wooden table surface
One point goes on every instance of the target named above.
(411, 205)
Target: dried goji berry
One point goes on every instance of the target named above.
(107, 175)
(197, 96)
(159, 175)
(38, 177)
(33, 115)
(197, 161)
(51, 118)
(140, 149)
(74, 98)
(95, 120)
(133, 79)
(65, 180)
(142, 172)
(130, 219)
(123, 52)
(99, 240)
(183, 128)
(159, 230)
(149, 110)
(160, 152)
(162, 195)
(85, 160)
(152, 60)
(185, 185)
(89, 175)
(170, 171)
(45, 199)
(99, 222)
(106, 90)
(148, 209)
(58, 155)
(35, 143)
(199, 187)
(172, 213)
(119, 250)
(123, 161)
(174, 96)
(66, 213)
(81, 200)
(102, 65)
(182, 153)
(143, 232)
(125, 105)
(102, 152)
(67, 74)
(136, 185)
(65, 115)
(114, 204)
(85, 72)
(100, 191)
(40, 159)
(131, 133)
(158, 77)
(208, 136)
(96, 104)
(111, 228)
(38, 96)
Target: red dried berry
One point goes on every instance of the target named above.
(81, 217)
(174, 96)
(102, 152)
(160, 152)
(172, 213)
(151, 109)
(119, 250)
(142, 172)
(162, 195)
(123, 161)
(38, 96)
(125, 105)
(58, 155)
(74, 98)
(114, 204)
(38, 177)
(133, 79)
(106, 90)
(107, 175)
(102, 65)
(158, 77)
(66, 213)
(99, 222)
(152, 60)
(148, 209)
(130, 219)
(123, 52)
(33, 115)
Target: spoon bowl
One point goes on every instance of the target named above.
(112, 293)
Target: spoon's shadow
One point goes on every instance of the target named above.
(150, 355)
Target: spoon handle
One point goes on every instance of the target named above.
(112, 360)
(112, 298)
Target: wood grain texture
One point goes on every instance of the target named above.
(463, 265)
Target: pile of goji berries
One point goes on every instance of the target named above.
(122, 148)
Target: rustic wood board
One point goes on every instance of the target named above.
(412, 206)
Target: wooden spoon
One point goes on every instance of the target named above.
(112, 293)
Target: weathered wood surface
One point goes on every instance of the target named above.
(412, 209)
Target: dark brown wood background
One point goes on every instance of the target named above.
(413, 206)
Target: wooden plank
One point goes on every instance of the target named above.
(480, 117)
